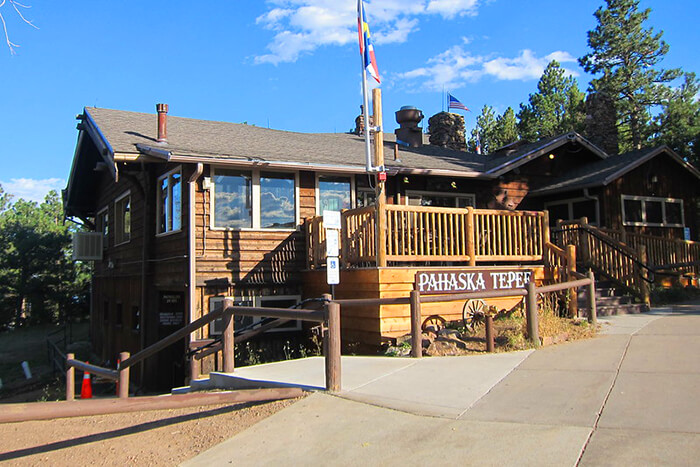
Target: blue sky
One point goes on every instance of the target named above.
(288, 64)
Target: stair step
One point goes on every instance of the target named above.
(631, 308)
(608, 301)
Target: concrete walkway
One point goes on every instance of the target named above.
(625, 398)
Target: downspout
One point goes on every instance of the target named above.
(588, 196)
(191, 237)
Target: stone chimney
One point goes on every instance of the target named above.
(408, 118)
(601, 122)
(447, 130)
(162, 110)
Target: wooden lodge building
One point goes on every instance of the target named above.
(189, 211)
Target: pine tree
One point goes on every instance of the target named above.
(505, 130)
(484, 131)
(557, 106)
(626, 54)
(678, 126)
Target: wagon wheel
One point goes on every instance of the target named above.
(434, 321)
(473, 313)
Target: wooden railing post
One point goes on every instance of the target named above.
(195, 368)
(70, 379)
(643, 286)
(533, 333)
(592, 312)
(380, 188)
(546, 234)
(489, 333)
(123, 377)
(570, 276)
(227, 336)
(333, 382)
(416, 331)
(471, 236)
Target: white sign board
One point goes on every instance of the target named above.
(332, 242)
(332, 270)
(331, 220)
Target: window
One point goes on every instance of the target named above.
(439, 199)
(334, 193)
(269, 301)
(277, 206)
(102, 225)
(122, 219)
(651, 211)
(572, 209)
(170, 202)
(253, 199)
(365, 197)
(135, 318)
(118, 314)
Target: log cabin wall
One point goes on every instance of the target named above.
(659, 177)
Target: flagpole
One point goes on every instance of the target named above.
(365, 98)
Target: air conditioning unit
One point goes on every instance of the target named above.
(87, 246)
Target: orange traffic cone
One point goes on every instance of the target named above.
(86, 387)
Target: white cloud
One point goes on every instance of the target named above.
(31, 189)
(301, 26)
(452, 8)
(455, 67)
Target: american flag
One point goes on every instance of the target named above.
(454, 103)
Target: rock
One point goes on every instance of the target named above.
(457, 343)
(447, 130)
(405, 338)
(442, 349)
(453, 333)
(427, 338)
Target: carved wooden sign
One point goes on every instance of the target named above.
(471, 280)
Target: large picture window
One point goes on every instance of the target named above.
(122, 219)
(334, 193)
(573, 209)
(170, 202)
(253, 199)
(440, 199)
(651, 211)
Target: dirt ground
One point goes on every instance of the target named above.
(162, 437)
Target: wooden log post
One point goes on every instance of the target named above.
(380, 188)
(416, 331)
(70, 379)
(333, 382)
(592, 312)
(123, 382)
(195, 368)
(533, 333)
(643, 285)
(571, 276)
(227, 336)
(471, 236)
(489, 333)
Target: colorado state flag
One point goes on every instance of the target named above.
(366, 48)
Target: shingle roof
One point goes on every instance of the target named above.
(124, 130)
(604, 171)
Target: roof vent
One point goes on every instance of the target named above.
(409, 133)
(162, 110)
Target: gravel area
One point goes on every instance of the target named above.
(159, 437)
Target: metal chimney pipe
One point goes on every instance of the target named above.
(162, 110)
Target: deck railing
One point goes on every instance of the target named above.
(430, 234)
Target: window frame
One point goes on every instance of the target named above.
(102, 219)
(570, 207)
(254, 301)
(117, 234)
(409, 194)
(255, 200)
(159, 206)
(317, 189)
(643, 200)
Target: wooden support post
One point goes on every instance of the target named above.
(639, 273)
(333, 382)
(416, 331)
(592, 312)
(489, 333)
(227, 336)
(124, 377)
(545, 229)
(195, 368)
(70, 379)
(570, 276)
(471, 236)
(380, 185)
(533, 333)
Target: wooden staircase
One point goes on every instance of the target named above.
(611, 300)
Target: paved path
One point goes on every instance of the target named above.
(625, 398)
